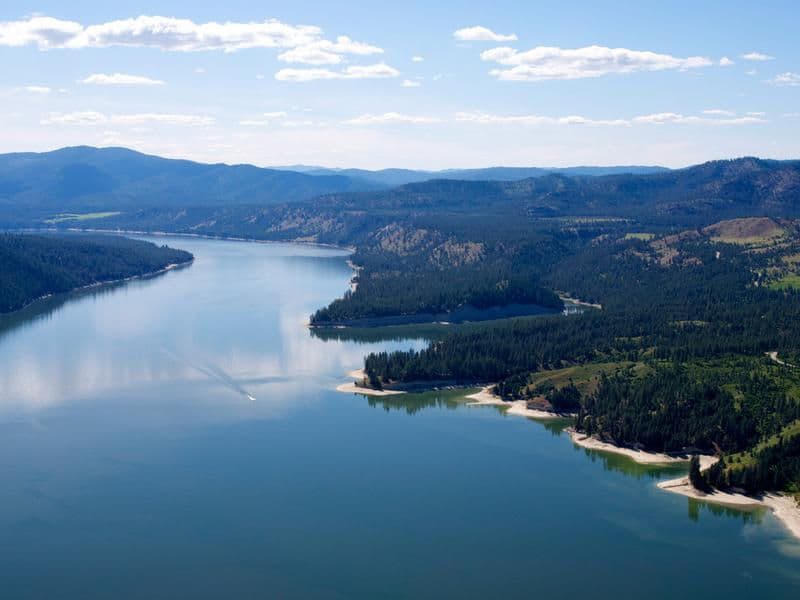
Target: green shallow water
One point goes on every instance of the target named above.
(135, 465)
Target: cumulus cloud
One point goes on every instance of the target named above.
(390, 118)
(482, 34)
(120, 79)
(90, 117)
(326, 52)
(544, 62)
(757, 56)
(726, 62)
(786, 79)
(410, 83)
(376, 71)
(719, 112)
(483, 118)
(166, 33)
(299, 43)
(417, 58)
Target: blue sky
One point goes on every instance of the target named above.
(410, 84)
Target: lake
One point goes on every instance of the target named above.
(181, 437)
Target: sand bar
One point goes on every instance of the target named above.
(518, 408)
(352, 388)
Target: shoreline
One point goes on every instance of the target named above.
(352, 388)
(642, 457)
(784, 508)
(97, 284)
(221, 238)
(517, 408)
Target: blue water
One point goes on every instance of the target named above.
(135, 465)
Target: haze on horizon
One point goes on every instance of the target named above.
(412, 86)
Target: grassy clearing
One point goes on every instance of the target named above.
(787, 282)
(585, 377)
(67, 217)
(747, 458)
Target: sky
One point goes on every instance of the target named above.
(426, 85)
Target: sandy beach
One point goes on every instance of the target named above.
(639, 456)
(352, 388)
(785, 508)
(517, 408)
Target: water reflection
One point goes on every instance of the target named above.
(413, 403)
(753, 515)
(232, 325)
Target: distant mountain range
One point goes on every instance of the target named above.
(37, 188)
(394, 177)
(712, 190)
(85, 179)
(693, 197)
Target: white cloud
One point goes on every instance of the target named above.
(417, 59)
(47, 32)
(120, 79)
(298, 124)
(756, 113)
(97, 118)
(390, 118)
(199, 70)
(410, 83)
(677, 118)
(751, 72)
(786, 79)
(757, 56)
(325, 52)
(275, 114)
(254, 123)
(37, 89)
(543, 62)
(726, 62)
(490, 119)
(482, 118)
(719, 112)
(166, 33)
(482, 34)
(376, 71)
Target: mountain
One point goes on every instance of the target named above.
(707, 192)
(393, 177)
(84, 179)
(693, 197)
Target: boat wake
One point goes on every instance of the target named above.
(211, 371)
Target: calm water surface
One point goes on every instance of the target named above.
(180, 438)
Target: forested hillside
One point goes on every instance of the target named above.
(33, 266)
(85, 181)
(684, 346)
